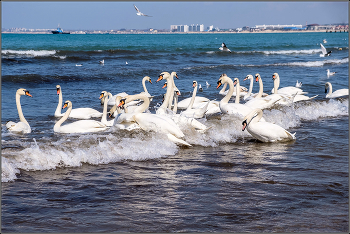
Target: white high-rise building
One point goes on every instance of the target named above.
(186, 28)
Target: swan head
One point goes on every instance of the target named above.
(235, 81)
(174, 74)
(194, 84)
(275, 76)
(177, 92)
(220, 81)
(163, 75)
(58, 88)
(122, 102)
(103, 93)
(67, 104)
(148, 79)
(257, 77)
(23, 92)
(248, 77)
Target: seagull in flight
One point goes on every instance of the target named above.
(324, 51)
(140, 13)
(224, 48)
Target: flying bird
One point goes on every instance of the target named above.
(224, 48)
(324, 51)
(139, 13)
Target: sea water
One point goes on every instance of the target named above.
(137, 181)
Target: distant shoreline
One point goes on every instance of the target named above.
(139, 32)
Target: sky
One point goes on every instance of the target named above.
(114, 15)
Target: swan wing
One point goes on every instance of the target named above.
(269, 132)
(84, 113)
(19, 127)
(83, 126)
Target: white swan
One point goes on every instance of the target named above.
(237, 109)
(290, 90)
(198, 101)
(223, 91)
(154, 122)
(145, 91)
(22, 126)
(289, 93)
(180, 120)
(251, 95)
(265, 131)
(77, 113)
(106, 95)
(80, 126)
(335, 94)
(262, 102)
(194, 113)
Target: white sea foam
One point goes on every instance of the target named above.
(33, 53)
(314, 63)
(311, 51)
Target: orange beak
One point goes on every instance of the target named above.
(160, 78)
(122, 102)
(273, 77)
(65, 105)
(256, 78)
(58, 91)
(219, 84)
(150, 81)
(28, 94)
(165, 85)
(101, 96)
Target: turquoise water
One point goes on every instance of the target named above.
(142, 182)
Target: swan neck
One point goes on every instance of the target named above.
(169, 89)
(144, 84)
(175, 103)
(230, 91)
(59, 105)
(192, 98)
(238, 92)
(250, 87)
(261, 89)
(330, 89)
(141, 108)
(105, 104)
(19, 109)
(57, 126)
(276, 84)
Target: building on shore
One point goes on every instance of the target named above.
(186, 28)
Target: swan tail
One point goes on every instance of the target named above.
(313, 97)
(177, 140)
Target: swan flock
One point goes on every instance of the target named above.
(131, 112)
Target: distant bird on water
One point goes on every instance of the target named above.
(324, 51)
(207, 84)
(224, 48)
(329, 73)
(139, 13)
(102, 61)
(78, 65)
